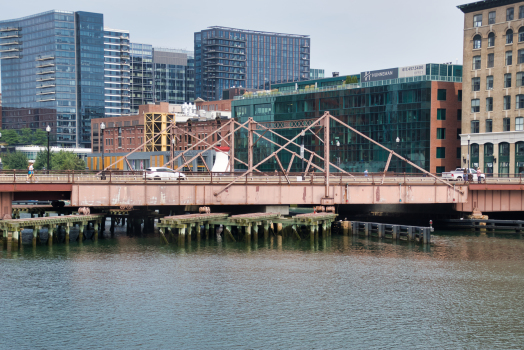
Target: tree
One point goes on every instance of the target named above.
(41, 160)
(15, 160)
(65, 160)
(10, 136)
(39, 137)
(26, 136)
(351, 79)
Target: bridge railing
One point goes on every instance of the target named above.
(138, 176)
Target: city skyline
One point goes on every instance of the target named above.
(418, 39)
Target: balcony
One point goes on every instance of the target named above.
(46, 71)
(9, 55)
(12, 42)
(46, 92)
(45, 58)
(47, 85)
(11, 49)
(9, 35)
(48, 64)
(46, 99)
(9, 29)
(46, 78)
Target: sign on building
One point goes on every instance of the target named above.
(412, 71)
(376, 75)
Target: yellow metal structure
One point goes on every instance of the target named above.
(154, 124)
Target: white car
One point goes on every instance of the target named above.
(159, 173)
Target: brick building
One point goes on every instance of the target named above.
(493, 104)
(125, 133)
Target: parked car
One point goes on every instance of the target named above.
(458, 175)
(160, 173)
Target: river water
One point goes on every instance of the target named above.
(465, 291)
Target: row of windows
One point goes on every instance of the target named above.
(506, 104)
(476, 81)
(506, 125)
(477, 60)
(510, 16)
(477, 39)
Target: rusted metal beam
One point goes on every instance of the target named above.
(287, 150)
(265, 159)
(281, 168)
(386, 168)
(205, 143)
(254, 144)
(203, 161)
(133, 151)
(199, 142)
(290, 163)
(312, 152)
(308, 165)
(209, 147)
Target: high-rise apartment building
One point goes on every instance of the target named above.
(141, 75)
(493, 100)
(229, 57)
(52, 67)
(160, 75)
(116, 72)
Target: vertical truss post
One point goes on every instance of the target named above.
(232, 146)
(326, 152)
(251, 127)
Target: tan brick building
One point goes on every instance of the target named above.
(493, 86)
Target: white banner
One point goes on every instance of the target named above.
(412, 71)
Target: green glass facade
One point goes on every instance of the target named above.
(382, 110)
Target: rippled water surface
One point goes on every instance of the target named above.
(465, 291)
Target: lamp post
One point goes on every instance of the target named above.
(302, 135)
(398, 159)
(102, 127)
(48, 129)
(469, 140)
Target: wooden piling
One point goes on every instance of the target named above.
(67, 230)
(266, 230)
(279, 229)
(206, 231)
(50, 230)
(35, 235)
(345, 228)
(255, 231)
(95, 233)
(112, 228)
(81, 232)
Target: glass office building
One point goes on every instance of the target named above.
(160, 75)
(229, 57)
(116, 72)
(141, 75)
(410, 106)
(52, 67)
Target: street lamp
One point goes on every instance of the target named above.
(48, 129)
(102, 127)
(398, 159)
(469, 140)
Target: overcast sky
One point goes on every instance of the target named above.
(347, 36)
